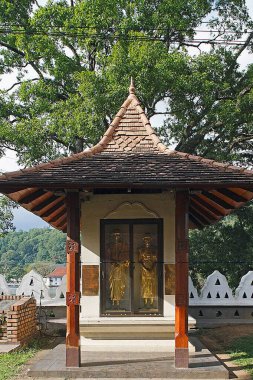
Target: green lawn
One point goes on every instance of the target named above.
(241, 351)
(10, 363)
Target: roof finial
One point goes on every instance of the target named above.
(132, 88)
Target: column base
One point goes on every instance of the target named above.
(73, 357)
(181, 357)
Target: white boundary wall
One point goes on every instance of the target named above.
(215, 291)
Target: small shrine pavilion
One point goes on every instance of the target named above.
(126, 205)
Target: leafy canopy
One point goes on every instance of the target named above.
(6, 215)
(224, 246)
(39, 249)
(73, 61)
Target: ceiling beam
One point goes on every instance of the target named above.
(198, 224)
(218, 200)
(31, 197)
(208, 205)
(50, 210)
(57, 216)
(61, 221)
(45, 203)
(230, 194)
(207, 215)
(204, 221)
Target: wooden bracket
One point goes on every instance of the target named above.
(72, 246)
(72, 298)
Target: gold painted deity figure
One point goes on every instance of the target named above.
(148, 260)
(117, 252)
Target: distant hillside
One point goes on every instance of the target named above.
(39, 248)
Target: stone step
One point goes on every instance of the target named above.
(129, 328)
(130, 345)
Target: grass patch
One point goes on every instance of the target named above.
(241, 351)
(11, 363)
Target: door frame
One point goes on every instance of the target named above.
(160, 271)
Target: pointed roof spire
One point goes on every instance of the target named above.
(130, 130)
(131, 87)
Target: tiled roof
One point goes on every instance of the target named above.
(131, 169)
(130, 155)
(58, 272)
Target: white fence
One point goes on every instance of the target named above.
(215, 291)
(32, 284)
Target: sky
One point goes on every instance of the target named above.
(24, 220)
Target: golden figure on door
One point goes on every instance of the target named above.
(148, 260)
(118, 252)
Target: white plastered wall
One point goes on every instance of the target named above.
(124, 206)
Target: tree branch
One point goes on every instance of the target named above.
(239, 52)
(71, 47)
(17, 83)
(12, 48)
(35, 68)
(22, 54)
(36, 2)
(240, 139)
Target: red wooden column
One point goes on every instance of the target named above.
(73, 280)
(181, 296)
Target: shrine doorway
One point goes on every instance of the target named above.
(131, 276)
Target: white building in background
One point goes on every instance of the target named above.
(55, 278)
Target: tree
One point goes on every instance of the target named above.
(225, 246)
(39, 249)
(42, 267)
(81, 54)
(11, 266)
(73, 60)
(6, 215)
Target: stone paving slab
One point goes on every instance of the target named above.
(128, 365)
(8, 347)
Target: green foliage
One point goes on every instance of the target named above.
(42, 267)
(12, 362)
(224, 246)
(37, 249)
(241, 352)
(74, 59)
(6, 215)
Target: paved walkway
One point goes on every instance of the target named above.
(8, 347)
(128, 365)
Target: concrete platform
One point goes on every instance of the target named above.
(129, 365)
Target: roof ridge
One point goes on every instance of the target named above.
(147, 125)
(210, 162)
